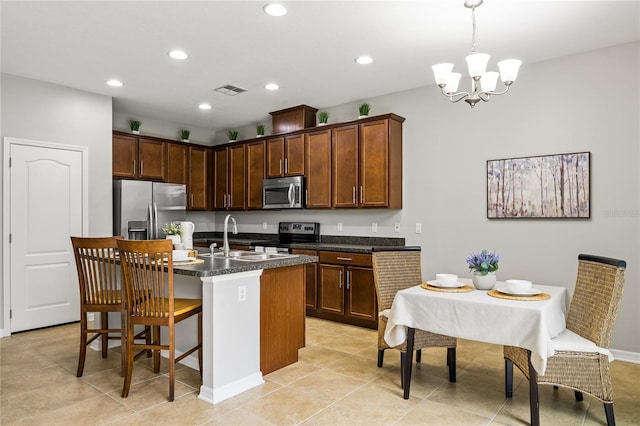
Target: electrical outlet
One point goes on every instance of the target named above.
(242, 293)
(396, 227)
(418, 228)
(264, 225)
(374, 227)
(339, 227)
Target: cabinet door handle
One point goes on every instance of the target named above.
(279, 166)
(340, 279)
(306, 196)
(141, 168)
(348, 279)
(344, 258)
(224, 200)
(229, 200)
(134, 167)
(192, 199)
(286, 166)
(361, 194)
(353, 195)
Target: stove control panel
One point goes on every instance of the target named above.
(299, 228)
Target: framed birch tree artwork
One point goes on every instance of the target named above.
(542, 187)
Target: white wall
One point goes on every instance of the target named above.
(163, 129)
(557, 106)
(46, 112)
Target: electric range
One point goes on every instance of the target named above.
(288, 233)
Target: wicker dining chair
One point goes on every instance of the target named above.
(100, 292)
(579, 362)
(149, 292)
(394, 269)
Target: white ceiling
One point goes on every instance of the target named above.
(309, 52)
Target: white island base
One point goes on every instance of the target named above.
(230, 335)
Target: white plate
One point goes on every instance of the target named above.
(188, 259)
(435, 283)
(530, 292)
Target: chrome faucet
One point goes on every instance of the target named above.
(226, 233)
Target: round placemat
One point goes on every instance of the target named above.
(464, 289)
(500, 295)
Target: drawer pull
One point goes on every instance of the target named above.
(344, 258)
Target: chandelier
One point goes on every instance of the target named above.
(483, 82)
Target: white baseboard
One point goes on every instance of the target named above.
(213, 396)
(627, 356)
(4, 333)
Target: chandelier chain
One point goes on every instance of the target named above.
(474, 31)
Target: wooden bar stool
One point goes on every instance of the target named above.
(100, 291)
(150, 301)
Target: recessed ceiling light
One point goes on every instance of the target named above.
(275, 9)
(115, 83)
(204, 106)
(271, 86)
(364, 60)
(178, 54)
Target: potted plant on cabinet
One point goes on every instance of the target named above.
(259, 130)
(184, 135)
(134, 125)
(323, 117)
(363, 109)
(233, 135)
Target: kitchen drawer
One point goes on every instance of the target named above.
(342, 258)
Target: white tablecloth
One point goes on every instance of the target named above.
(477, 316)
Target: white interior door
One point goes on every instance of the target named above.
(46, 207)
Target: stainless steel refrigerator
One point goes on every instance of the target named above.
(141, 209)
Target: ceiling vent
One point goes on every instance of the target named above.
(229, 90)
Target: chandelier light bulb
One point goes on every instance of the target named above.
(489, 81)
(442, 72)
(509, 69)
(453, 82)
(477, 63)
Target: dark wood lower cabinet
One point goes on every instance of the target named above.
(345, 289)
(310, 279)
(282, 317)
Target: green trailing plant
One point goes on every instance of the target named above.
(260, 130)
(135, 125)
(323, 117)
(233, 135)
(184, 134)
(364, 109)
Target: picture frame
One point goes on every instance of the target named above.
(556, 186)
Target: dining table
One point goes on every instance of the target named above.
(525, 321)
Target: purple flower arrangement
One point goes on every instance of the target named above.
(483, 262)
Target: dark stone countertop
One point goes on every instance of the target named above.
(222, 266)
(340, 243)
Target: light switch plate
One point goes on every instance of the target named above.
(374, 227)
(396, 227)
(418, 228)
(339, 227)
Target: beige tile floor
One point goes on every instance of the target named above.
(335, 382)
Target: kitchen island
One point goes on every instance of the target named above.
(253, 318)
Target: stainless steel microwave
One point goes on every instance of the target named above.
(283, 193)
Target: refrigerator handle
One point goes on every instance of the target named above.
(156, 232)
(151, 234)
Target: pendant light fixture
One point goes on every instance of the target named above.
(483, 82)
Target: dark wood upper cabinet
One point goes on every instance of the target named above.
(285, 156)
(318, 169)
(135, 157)
(367, 164)
(177, 163)
(346, 186)
(229, 178)
(256, 156)
(198, 187)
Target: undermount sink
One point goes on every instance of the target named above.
(249, 256)
(257, 257)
